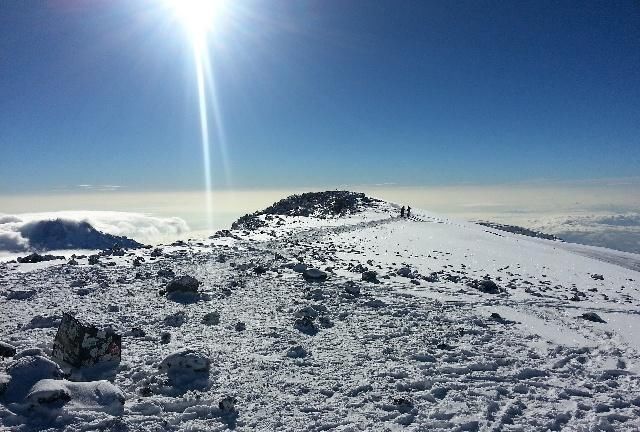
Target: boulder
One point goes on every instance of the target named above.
(300, 267)
(593, 317)
(69, 396)
(25, 372)
(7, 350)
(212, 318)
(314, 275)
(370, 276)
(352, 289)
(296, 352)
(185, 360)
(176, 319)
(404, 272)
(80, 344)
(183, 284)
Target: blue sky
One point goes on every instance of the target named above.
(325, 92)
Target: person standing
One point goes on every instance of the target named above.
(402, 212)
(408, 211)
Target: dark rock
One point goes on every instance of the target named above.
(597, 277)
(592, 316)
(352, 289)
(240, 326)
(260, 269)
(165, 338)
(36, 258)
(7, 350)
(183, 284)
(94, 259)
(79, 344)
(314, 275)
(370, 276)
(227, 404)
(167, 273)
(212, 318)
(157, 252)
(306, 325)
(296, 352)
(486, 286)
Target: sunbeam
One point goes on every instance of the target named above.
(199, 17)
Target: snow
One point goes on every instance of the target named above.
(419, 350)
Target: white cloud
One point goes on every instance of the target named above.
(143, 228)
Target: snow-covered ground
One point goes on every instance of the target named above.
(433, 345)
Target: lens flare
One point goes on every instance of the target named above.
(200, 18)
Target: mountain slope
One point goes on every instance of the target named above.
(421, 324)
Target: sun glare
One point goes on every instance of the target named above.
(198, 16)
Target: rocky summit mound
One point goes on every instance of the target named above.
(67, 234)
(311, 204)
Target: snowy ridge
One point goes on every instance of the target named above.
(408, 324)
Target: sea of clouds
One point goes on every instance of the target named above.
(14, 228)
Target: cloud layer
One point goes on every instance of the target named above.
(146, 229)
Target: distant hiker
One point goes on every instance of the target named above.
(408, 211)
(402, 212)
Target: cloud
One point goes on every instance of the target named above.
(613, 230)
(143, 228)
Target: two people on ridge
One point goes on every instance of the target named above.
(408, 211)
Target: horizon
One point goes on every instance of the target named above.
(504, 113)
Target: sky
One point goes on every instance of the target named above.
(102, 94)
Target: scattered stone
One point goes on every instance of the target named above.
(306, 326)
(227, 404)
(165, 338)
(296, 352)
(7, 350)
(79, 344)
(211, 318)
(36, 258)
(40, 321)
(240, 326)
(93, 396)
(597, 277)
(314, 275)
(486, 286)
(352, 289)
(27, 371)
(176, 319)
(415, 281)
(404, 272)
(370, 276)
(300, 267)
(183, 284)
(166, 273)
(17, 294)
(592, 316)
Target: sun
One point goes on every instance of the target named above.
(199, 17)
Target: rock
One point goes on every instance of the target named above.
(404, 272)
(137, 262)
(72, 262)
(597, 277)
(415, 281)
(36, 258)
(433, 277)
(17, 294)
(95, 396)
(183, 284)
(168, 273)
(157, 252)
(240, 326)
(165, 338)
(185, 361)
(137, 332)
(7, 350)
(375, 303)
(352, 289)
(404, 405)
(300, 267)
(227, 404)
(592, 316)
(27, 371)
(79, 344)
(486, 286)
(260, 269)
(307, 312)
(30, 352)
(94, 259)
(370, 276)
(176, 319)
(212, 318)
(306, 325)
(40, 321)
(314, 275)
(296, 352)
(4, 383)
